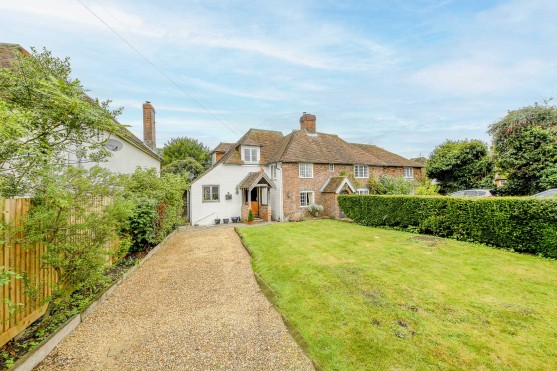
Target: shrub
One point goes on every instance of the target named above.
(522, 224)
(250, 216)
(159, 205)
(314, 209)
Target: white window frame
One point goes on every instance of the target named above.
(273, 171)
(362, 191)
(331, 167)
(305, 170)
(309, 198)
(211, 193)
(408, 173)
(253, 152)
(364, 170)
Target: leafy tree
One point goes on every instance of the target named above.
(74, 213)
(460, 165)
(525, 148)
(183, 148)
(45, 116)
(184, 167)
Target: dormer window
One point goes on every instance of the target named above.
(250, 154)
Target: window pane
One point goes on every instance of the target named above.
(246, 155)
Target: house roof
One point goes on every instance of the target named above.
(254, 178)
(300, 146)
(223, 147)
(335, 184)
(7, 56)
(7, 53)
(266, 139)
(389, 158)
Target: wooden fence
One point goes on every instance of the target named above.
(25, 260)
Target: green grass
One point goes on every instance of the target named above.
(368, 298)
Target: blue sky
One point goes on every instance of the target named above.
(401, 74)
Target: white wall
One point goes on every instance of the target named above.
(276, 194)
(124, 161)
(227, 177)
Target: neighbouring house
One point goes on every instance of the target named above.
(278, 176)
(129, 152)
(500, 180)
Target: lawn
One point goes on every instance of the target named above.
(369, 298)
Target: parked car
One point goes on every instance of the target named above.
(549, 193)
(472, 193)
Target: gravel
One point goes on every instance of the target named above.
(194, 305)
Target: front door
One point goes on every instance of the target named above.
(255, 201)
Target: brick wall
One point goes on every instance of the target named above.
(293, 184)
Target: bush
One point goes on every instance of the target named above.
(522, 224)
(390, 185)
(158, 206)
(314, 209)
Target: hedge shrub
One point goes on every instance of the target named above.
(522, 224)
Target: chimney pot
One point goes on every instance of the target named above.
(149, 132)
(308, 123)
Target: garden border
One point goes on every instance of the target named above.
(271, 296)
(38, 354)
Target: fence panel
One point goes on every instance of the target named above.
(27, 260)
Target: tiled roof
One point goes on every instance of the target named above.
(299, 146)
(333, 184)
(223, 147)
(7, 55)
(267, 140)
(389, 158)
(253, 179)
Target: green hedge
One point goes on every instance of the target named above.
(522, 224)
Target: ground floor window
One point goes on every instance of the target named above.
(362, 191)
(210, 193)
(306, 198)
(408, 173)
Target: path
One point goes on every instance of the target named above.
(194, 305)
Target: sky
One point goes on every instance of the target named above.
(405, 75)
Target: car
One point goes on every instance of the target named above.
(549, 193)
(472, 193)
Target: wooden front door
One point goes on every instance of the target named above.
(255, 201)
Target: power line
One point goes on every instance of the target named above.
(158, 69)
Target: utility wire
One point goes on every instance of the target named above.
(158, 69)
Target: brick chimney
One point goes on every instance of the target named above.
(307, 123)
(149, 137)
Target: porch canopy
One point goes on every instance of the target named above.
(256, 179)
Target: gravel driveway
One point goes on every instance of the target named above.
(194, 305)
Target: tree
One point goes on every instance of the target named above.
(46, 115)
(183, 148)
(74, 213)
(184, 167)
(525, 148)
(460, 165)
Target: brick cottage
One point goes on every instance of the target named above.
(278, 176)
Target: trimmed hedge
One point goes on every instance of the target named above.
(522, 224)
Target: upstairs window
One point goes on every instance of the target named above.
(250, 154)
(331, 167)
(305, 170)
(361, 171)
(408, 173)
(210, 193)
(273, 171)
